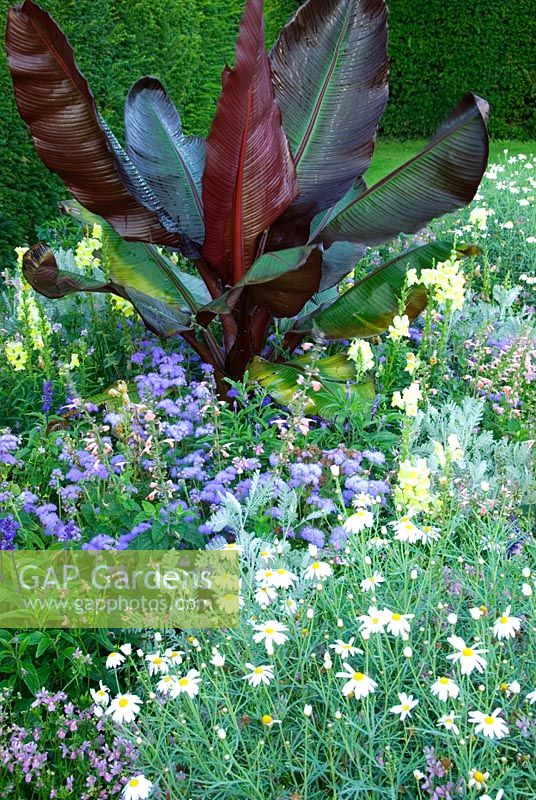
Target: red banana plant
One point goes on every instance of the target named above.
(272, 210)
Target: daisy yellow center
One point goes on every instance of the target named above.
(114, 655)
(405, 707)
(101, 693)
(467, 652)
(489, 720)
(346, 646)
(266, 719)
(184, 682)
(358, 676)
(396, 616)
(166, 679)
(316, 565)
(444, 681)
(268, 573)
(405, 519)
(157, 661)
(258, 671)
(375, 620)
(269, 631)
(504, 620)
(123, 703)
(174, 654)
(133, 782)
(409, 526)
(449, 721)
(281, 571)
(478, 776)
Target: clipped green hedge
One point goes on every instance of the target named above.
(438, 50)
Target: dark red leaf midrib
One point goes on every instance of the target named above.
(238, 210)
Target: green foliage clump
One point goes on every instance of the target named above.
(442, 48)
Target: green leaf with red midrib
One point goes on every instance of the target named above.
(249, 179)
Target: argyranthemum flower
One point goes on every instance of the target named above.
(264, 595)
(138, 788)
(531, 697)
(345, 648)
(407, 703)
(114, 660)
(265, 576)
(470, 658)
(370, 583)
(373, 622)
(282, 578)
(262, 674)
(363, 518)
(124, 707)
(270, 632)
(445, 689)
(157, 664)
(448, 721)
(406, 531)
(505, 626)
(101, 695)
(268, 720)
(477, 780)
(318, 570)
(174, 656)
(357, 683)
(398, 624)
(491, 725)
(267, 553)
(217, 659)
(188, 684)
(166, 684)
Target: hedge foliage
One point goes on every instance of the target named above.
(438, 50)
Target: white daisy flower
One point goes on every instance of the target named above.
(445, 689)
(114, 660)
(257, 675)
(478, 780)
(373, 622)
(269, 721)
(217, 659)
(345, 648)
(270, 632)
(174, 656)
(126, 649)
(124, 708)
(157, 664)
(318, 570)
(531, 697)
(491, 725)
(470, 658)
(357, 683)
(290, 606)
(138, 788)
(406, 531)
(101, 695)
(166, 684)
(398, 624)
(267, 553)
(264, 595)
(187, 684)
(370, 583)
(363, 518)
(505, 626)
(448, 721)
(283, 579)
(429, 534)
(476, 613)
(407, 703)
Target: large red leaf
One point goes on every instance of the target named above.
(56, 103)
(330, 75)
(249, 178)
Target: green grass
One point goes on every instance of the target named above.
(390, 154)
